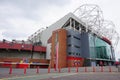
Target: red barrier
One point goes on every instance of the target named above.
(77, 69)
(110, 70)
(85, 69)
(48, 69)
(93, 69)
(25, 70)
(68, 69)
(37, 71)
(101, 68)
(10, 70)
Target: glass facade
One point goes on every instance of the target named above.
(98, 48)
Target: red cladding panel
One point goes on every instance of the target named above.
(74, 58)
(39, 49)
(27, 47)
(14, 46)
(3, 45)
(106, 40)
(18, 46)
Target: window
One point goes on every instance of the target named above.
(77, 54)
(69, 36)
(99, 48)
(76, 46)
(69, 45)
(69, 53)
(76, 38)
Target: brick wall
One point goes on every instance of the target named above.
(62, 61)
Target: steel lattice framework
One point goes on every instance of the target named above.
(92, 16)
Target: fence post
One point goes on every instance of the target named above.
(77, 69)
(25, 70)
(59, 69)
(110, 70)
(101, 68)
(69, 69)
(85, 69)
(37, 69)
(93, 69)
(49, 69)
(10, 70)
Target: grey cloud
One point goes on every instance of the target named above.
(5, 25)
(29, 6)
(15, 9)
(14, 34)
(34, 4)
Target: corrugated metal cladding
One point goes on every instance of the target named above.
(73, 43)
(77, 44)
(85, 45)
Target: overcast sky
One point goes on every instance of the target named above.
(21, 18)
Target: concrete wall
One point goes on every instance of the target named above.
(21, 54)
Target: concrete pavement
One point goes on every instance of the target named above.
(18, 74)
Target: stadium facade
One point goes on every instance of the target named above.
(77, 39)
(69, 43)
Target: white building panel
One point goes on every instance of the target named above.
(46, 34)
(48, 51)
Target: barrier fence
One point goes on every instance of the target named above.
(64, 70)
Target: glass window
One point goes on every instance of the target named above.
(99, 48)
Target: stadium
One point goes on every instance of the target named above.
(77, 39)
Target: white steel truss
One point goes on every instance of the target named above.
(92, 16)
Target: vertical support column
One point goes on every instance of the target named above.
(74, 24)
(79, 28)
(70, 23)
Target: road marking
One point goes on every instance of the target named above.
(66, 74)
(40, 76)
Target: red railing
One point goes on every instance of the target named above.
(21, 46)
(39, 48)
